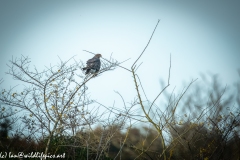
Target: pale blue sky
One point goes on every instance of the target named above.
(202, 37)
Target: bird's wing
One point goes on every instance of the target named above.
(92, 60)
(97, 65)
(94, 65)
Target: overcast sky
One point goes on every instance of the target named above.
(202, 37)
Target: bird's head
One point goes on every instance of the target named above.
(98, 55)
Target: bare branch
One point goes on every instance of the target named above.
(146, 46)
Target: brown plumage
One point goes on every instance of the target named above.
(93, 65)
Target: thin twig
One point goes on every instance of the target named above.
(146, 45)
(163, 88)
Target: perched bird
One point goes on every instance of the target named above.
(93, 65)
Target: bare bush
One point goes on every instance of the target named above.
(53, 101)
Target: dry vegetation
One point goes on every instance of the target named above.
(52, 113)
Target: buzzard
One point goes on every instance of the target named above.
(93, 65)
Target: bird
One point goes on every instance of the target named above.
(93, 65)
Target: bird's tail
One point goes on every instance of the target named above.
(87, 70)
